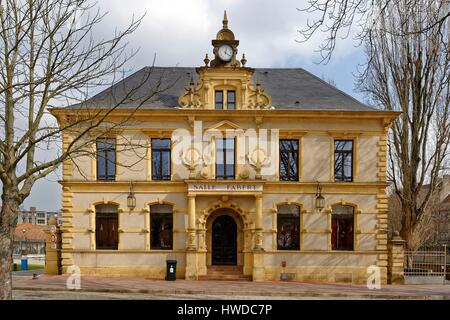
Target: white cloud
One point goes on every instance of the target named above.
(180, 32)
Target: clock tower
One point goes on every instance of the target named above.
(225, 83)
(225, 47)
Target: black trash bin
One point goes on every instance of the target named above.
(171, 272)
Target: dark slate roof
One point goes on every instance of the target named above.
(290, 89)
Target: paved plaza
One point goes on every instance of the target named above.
(95, 287)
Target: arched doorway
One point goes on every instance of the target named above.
(224, 241)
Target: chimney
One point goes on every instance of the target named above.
(33, 209)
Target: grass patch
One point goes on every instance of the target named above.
(30, 267)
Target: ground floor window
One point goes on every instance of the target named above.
(342, 221)
(288, 227)
(106, 227)
(161, 229)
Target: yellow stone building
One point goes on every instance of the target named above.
(267, 174)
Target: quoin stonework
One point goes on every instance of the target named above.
(265, 173)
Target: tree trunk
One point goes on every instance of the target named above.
(8, 221)
(406, 225)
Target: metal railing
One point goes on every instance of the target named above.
(427, 262)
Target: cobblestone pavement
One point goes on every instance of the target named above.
(272, 289)
(73, 295)
(27, 273)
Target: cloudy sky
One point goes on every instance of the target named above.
(179, 33)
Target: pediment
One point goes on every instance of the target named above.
(224, 125)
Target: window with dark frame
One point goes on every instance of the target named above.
(343, 160)
(106, 159)
(289, 160)
(161, 227)
(288, 227)
(218, 100)
(225, 159)
(231, 100)
(106, 227)
(161, 159)
(342, 227)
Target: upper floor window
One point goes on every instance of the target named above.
(231, 100)
(161, 227)
(161, 159)
(289, 160)
(106, 159)
(225, 158)
(288, 227)
(221, 103)
(342, 221)
(219, 100)
(106, 227)
(343, 160)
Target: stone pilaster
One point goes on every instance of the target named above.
(396, 253)
(258, 224)
(258, 250)
(66, 229)
(191, 248)
(52, 253)
(191, 245)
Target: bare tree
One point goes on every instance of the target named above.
(409, 71)
(49, 57)
(425, 229)
(340, 18)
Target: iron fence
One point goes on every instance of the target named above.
(429, 264)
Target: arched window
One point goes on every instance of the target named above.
(106, 227)
(288, 227)
(161, 227)
(342, 221)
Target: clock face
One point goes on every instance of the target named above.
(225, 52)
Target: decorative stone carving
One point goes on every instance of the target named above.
(257, 97)
(258, 159)
(191, 240)
(191, 97)
(201, 240)
(258, 240)
(204, 172)
(191, 158)
(244, 173)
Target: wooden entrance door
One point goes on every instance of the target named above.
(224, 241)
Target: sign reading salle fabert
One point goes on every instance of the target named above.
(203, 187)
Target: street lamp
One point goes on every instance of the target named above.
(24, 237)
(131, 199)
(320, 200)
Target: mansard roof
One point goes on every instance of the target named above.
(290, 89)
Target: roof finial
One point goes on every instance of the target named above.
(225, 20)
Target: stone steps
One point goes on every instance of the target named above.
(225, 273)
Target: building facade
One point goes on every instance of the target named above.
(29, 239)
(34, 216)
(272, 171)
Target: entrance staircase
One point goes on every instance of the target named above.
(226, 273)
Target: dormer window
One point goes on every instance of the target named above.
(225, 99)
(231, 100)
(219, 100)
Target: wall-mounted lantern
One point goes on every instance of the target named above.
(320, 200)
(131, 199)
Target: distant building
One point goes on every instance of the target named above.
(34, 216)
(29, 239)
(437, 229)
(442, 212)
